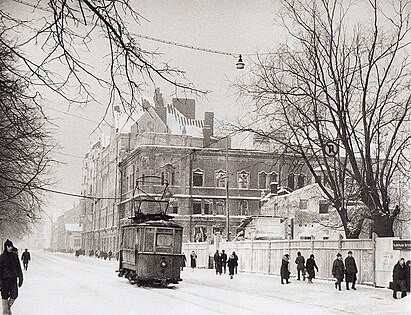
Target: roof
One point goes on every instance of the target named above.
(73, 227)
(178, 124)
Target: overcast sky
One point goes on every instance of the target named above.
(230, 26)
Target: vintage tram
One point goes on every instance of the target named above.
(150, 250)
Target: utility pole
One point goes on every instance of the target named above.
(227, 206)
(190, 197)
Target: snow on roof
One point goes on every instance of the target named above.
(178, 124)
(125, 121)
(72, 227)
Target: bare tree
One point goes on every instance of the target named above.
(83, 44)
(346, 81)
(25, 145)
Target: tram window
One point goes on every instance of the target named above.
(149, 243)
(164, 240)
(178, 240)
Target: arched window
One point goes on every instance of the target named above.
(273, 178)
(291, 183)
(220, 178)
(168, 175)
(243, 179)
(262, 180)
(198, 178)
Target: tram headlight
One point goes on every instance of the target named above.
(163, 264)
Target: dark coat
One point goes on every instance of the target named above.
(193, 258)
(399, 272)
(310, 265)
(224, 258)
(350, 269)
(284, 271)
(217, 261)
(10, 266)
(338, 269)
(300, 261)
(25, 257)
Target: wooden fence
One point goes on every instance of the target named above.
(265, 256)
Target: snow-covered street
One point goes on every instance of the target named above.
(63, 284)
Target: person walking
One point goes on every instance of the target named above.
(224, 260)
(25, 258)
(350, 271)
(284, 271)
(310, 265)
(232, 264)
(300, 261)
(236, 262)
(399, 277)
(193, 260)
(408, 278)
(218, 263)
(338, 271)
(10, 271)
(183, 261)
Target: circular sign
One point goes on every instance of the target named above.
(330, 148)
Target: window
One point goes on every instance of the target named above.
(220, 179)
(291, 181)
(178, 241)
(165, 240)
(301, 181)
(198, 178)
(323, 207)
(243, 207)
(303, 204)
(207, 207)
(243, 179)
(262, 180)
(273, 177)
(168, 175)
(219, 207)
(196, 206)
(149, 240)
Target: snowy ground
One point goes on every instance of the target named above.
(63, 284)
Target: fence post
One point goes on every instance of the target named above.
(269, 257)
(252, 248)
(374, 243)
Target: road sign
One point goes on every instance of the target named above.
(330, 148)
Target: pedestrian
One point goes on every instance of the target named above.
(193, 260)
(183, 261)
(338, 271)
(232, 264)
(25, 258)
(217, 263)
(110, 255)
(300, 261)
(284, 271)
(350, 271)
(399, 277)
(310, 265)
(224, 260)
(236, 262)
(10, 270)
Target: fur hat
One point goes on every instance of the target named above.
(8, 243)
(339, 255)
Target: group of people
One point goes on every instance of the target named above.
(11, 275)
(339, 269)
(101, 254)
(221, 262)
(401, 278)
(303, 268)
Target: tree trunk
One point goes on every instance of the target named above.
(383, 226)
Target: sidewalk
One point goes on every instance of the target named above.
(321, 293)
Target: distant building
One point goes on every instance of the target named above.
(168, 140)
(66, 232)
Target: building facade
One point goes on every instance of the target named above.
(212, 186)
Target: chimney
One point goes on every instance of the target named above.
(207, 133)
(185, 106)
(274, 188)
(209, 121)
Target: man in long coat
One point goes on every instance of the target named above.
(399, 277)
(338, 271)
(10, 271)
(310, 265)
(218, 263)
(25, 258)
(300, 262)
(285, 271)
(224, 260)
(350, 271)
